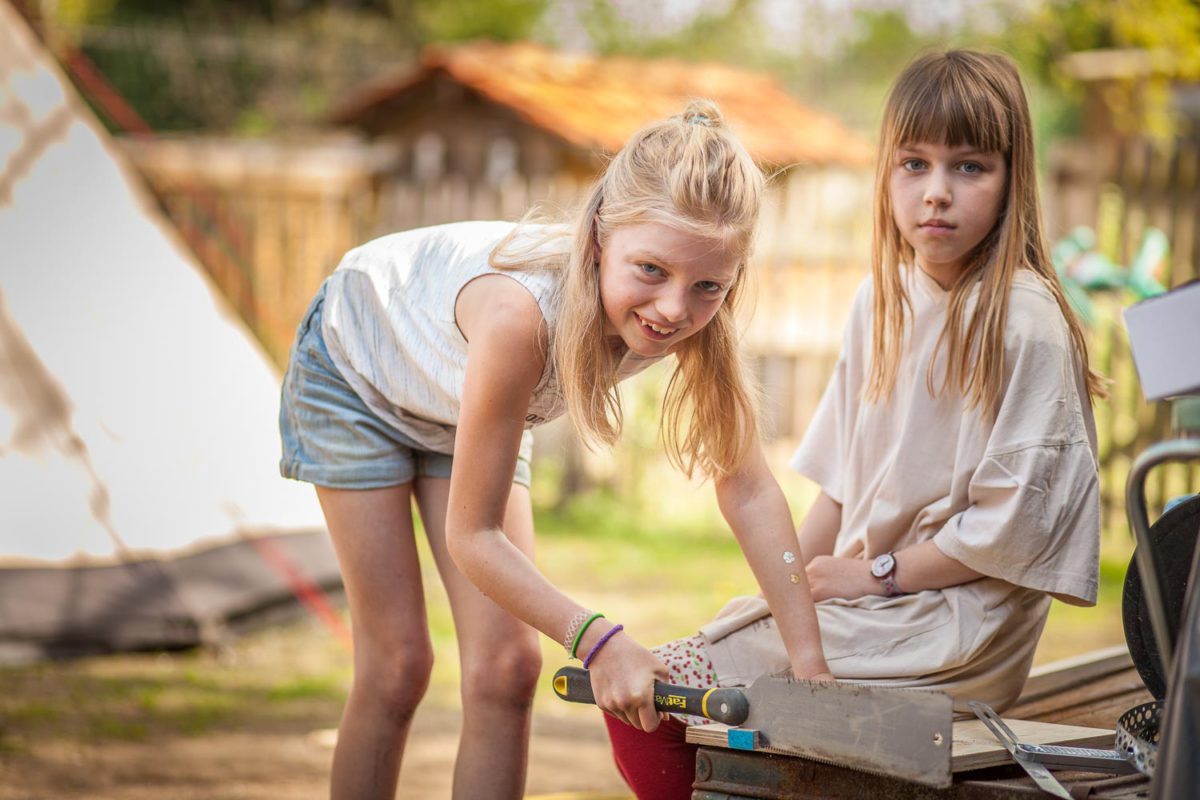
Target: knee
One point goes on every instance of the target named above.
(507, 675)
(395, 681)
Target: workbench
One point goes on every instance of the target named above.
(1092, 691)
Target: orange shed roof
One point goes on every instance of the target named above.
(597, 102)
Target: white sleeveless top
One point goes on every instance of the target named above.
(390, 329)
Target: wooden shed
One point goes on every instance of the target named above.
(485, 131)
(495, 109)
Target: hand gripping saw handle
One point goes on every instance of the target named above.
(728, 706)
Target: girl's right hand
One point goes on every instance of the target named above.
(623, 675)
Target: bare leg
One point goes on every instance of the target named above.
(372, 533)
(500, 658)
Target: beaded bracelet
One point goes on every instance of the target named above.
(582, 629)
(603, 640)
(573, 628)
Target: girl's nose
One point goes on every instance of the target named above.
(937, 188)
(672, 306)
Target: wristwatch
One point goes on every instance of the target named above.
(884, 568)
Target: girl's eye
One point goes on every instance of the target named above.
(971, 168)
(651, 269)
(710, 287)
(912, 164)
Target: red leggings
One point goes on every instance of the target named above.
(657, 766)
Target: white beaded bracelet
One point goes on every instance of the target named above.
(573, 627)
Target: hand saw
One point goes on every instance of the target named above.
(902, 733)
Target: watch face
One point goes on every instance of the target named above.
(883, 565)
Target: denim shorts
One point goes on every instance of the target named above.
(331, 438)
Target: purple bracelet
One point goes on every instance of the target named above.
(596, 647)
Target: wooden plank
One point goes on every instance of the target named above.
(741, 775)
(1094, 703)
(976, 748)
(973, 747)
(1071, 672)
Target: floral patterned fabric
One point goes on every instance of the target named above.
(689, 665)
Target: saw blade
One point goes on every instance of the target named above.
(898, 732)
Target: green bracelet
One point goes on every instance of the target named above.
(582, 628)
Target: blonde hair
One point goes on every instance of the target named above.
(955, 98)
(688, 172)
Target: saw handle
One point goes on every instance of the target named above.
(729, 706)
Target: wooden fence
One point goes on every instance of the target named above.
(271, 220)
(1121, 189)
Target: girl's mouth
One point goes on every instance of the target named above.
(937, 227)
(654, 330)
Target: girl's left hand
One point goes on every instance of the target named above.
(848, 578)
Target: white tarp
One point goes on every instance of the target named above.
(134, 407)
(130, 396)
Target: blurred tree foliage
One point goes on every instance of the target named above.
(1168, 31)
(259, 66)
(734, 34)
(854, 80)
(1171, 27)
(270, 65)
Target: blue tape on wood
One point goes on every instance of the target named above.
(742, 739)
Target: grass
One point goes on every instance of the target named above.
(138, 697)
(661, 581)
(690, 570)
(1072, 630)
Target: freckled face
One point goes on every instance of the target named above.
(660, 286)
(945, 201)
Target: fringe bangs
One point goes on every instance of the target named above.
(953, 106)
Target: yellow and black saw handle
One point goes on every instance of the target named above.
(729, 706)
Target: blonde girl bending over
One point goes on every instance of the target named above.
(954, 447)
(419, 370)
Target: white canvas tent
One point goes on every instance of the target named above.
(138, 434)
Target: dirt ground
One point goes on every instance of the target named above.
(253, 723)
(250, 720)
(242, 765)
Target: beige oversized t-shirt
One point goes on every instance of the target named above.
(1015, 497)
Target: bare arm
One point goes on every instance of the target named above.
(504, 363)
(506, 342)
(756, 510)
(918, 568)
(820, 527)
(927, 567)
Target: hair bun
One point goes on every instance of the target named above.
(703, 112)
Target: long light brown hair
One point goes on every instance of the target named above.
(956, 98)
(691, 173)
